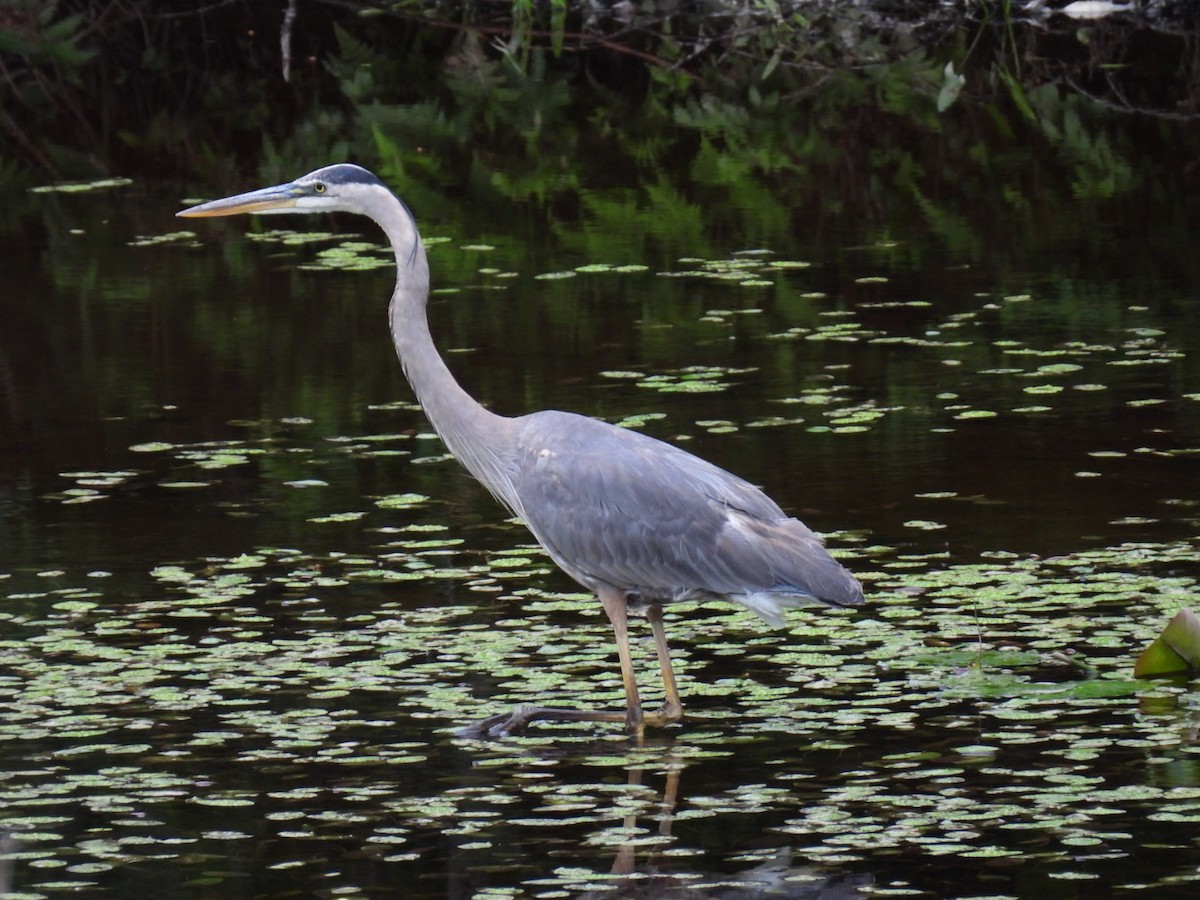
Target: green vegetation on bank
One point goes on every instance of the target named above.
(203, 90)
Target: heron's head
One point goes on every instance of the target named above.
(340, 188)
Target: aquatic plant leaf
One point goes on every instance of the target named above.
(401, 501)
(292, 238)
(185, 238)
(1176, 650)
(80, 187)
(337, 517)
(952, 85)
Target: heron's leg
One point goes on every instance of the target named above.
(672, 708)
(616, 606)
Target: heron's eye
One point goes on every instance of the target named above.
(319, 187)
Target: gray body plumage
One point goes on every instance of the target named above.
(634, 519)
(612, 506)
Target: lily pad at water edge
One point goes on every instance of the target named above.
(1176, 650)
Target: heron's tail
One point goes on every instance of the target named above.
(799, 568)
(770, 605)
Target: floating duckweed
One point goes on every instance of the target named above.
(693, 379)
(639, 419)
(921, 801)
(896, 304)
(401, 501)
(1057, 369)
(186, 238)
(338, 517)
(976, 414)
(773, 422)
(612, 373)
(292, 238)
(81, 186)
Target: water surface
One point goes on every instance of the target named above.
(248, 598)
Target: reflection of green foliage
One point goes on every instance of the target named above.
(1099, 171)
(42, 50)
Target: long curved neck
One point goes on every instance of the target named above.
(476, 436)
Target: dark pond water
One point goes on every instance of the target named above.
(247, 598)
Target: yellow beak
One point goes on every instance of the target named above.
(280, 197)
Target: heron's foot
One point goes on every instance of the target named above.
(506, 724)
(515, 722)
(492, 726)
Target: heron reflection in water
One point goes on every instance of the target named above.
(638, 521)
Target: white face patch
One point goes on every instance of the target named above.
(315, 204)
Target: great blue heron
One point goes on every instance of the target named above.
(638, 521)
